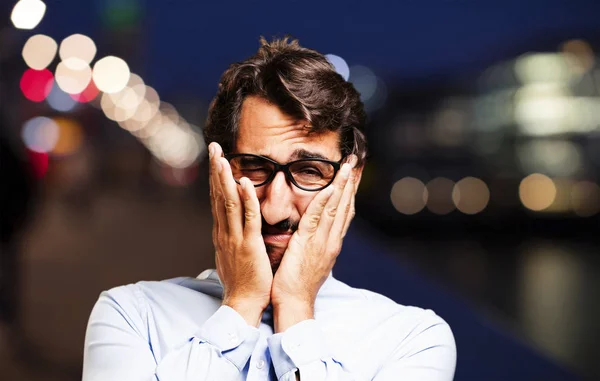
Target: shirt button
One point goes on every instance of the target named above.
(260, 364)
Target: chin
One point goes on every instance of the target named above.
(275, 254)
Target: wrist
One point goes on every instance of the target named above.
(251, 312)
(288, 314)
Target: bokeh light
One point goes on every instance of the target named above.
(60, 101)
(70, 137)
(78, 46)
(113, 111)
(131, 96)
(36, 84)
(88, 94)
(542, 68)
(40, 134)
(556, 157)
(39, 51)
(561, 202)
(440, 196)
(340, 65)
(146, 129)
(585, 198)
(148, 107)
(170, 112)
(173, 144)
(371, 88)
(543, 109)
(471, 195)
(27, 14)
(409, 195)
(39, 163)
(73, 75)
(537, 192)
(111, 74)
(580, 55)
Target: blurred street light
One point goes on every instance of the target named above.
(36, 84)
(471, 195)
(409, 195)
(73, 75)
(39, 51)
(78, 46)
(440, 196)
(537, 192)
(40, 134)
(27, 14)
(111, 74)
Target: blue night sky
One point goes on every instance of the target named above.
(188, 43)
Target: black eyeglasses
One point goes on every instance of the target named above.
(307, 174)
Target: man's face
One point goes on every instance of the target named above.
(265, 130)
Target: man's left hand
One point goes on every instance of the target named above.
(313, 249)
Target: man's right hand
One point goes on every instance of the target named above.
(241, 257)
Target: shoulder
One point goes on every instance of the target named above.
(378, 313)
(155, 299)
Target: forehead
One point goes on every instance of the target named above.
(265, 130)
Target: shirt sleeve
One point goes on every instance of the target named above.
(118, 346)
(429, 356)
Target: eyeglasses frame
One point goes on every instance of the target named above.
(285, 168)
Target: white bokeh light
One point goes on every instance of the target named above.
(39, 51)
(111, 74)
(27, 14)
(78, 46)
(73, 75)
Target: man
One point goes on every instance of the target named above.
(286, 156)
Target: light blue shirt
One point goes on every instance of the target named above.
(178, 330)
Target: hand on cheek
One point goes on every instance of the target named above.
(312, 251)
(241, 258)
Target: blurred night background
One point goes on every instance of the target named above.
(481, 199)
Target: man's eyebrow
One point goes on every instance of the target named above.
(304, 154)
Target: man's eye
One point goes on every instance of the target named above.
(308, 171)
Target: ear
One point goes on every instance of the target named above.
(357, 172)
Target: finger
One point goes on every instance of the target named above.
(333, 208)
(310, 220)
(217, 193)
(212, 195)
(324, 205)
(345, 206)
(350, 215)
(252, 221)
(232, 202)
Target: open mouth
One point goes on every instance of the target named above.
(277, 239)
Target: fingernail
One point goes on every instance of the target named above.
(243, 183)
(346, 170)
(211, 150)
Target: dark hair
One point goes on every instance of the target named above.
(302, 83)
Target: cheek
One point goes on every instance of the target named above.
(303, 201)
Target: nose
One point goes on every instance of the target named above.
(276, 204)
